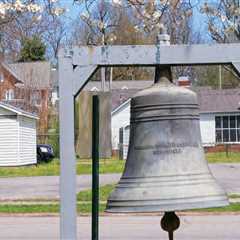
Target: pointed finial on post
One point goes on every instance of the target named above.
(163, 73)
(163, 37)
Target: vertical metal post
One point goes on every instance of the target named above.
(95, 167)
(68, 214)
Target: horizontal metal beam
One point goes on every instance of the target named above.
(150, 55)
(77, 65)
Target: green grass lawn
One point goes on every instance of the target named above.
(43, 208)
(52, 168)
(234, 196)
(221, 157)
(85, 208)
(106, 166)
(103, 193)
(232, 207)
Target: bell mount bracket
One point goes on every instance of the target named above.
(75, 68)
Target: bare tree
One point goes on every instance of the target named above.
(101, 17)
(55, 36)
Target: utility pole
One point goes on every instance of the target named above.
(110, 79)
(220, 76)
(103, 70)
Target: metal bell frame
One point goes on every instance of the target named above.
(77, 65)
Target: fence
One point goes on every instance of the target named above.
(222, 147)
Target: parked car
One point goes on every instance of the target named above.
(44, 153)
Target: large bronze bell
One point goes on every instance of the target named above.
(165, 168)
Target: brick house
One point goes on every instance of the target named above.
(8, 82)
(26, 85)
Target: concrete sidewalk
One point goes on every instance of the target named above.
(222, 227)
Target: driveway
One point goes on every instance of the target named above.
(228, 176)
(221, 227)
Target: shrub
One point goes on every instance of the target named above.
(33, 49)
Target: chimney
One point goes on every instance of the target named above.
(183, 81)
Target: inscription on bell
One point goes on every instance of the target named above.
(167, 148)
(167, 151)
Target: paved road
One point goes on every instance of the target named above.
(222, 227)
(228, 175)
(44, 187)
(47, 187)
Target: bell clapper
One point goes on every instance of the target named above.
(169, 223)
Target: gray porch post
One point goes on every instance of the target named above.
(68, 212)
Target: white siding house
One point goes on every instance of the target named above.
(120, 119)
(17, 137)
(207, 128)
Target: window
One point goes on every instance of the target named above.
(227, 128)
(35, 98)
(9, 94)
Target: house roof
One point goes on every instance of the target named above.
(121, 106)
(210, 100)
(225, 100)
(121, 96)
(35, 75)
(7, 68)
(18, 111)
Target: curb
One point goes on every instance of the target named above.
(180, 214)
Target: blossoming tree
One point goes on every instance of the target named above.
(11, 9)
(223, 20)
